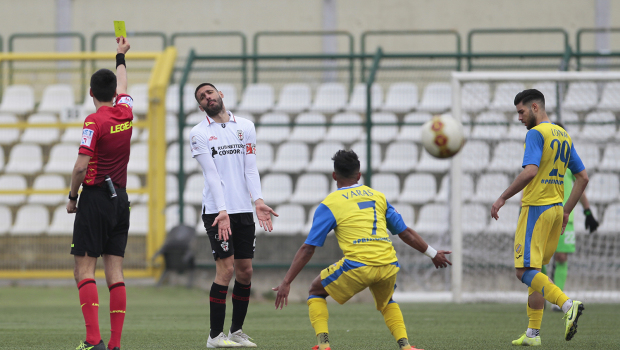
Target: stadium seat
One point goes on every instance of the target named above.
(62, 223)
(245, 115)
(431, 164)
(274, 134)
(8, 135)
(388, 184)
(507, 157)
(330, 98)
(437, 98)
(589, 154)
(139, 158)
(18, 99)
(230, 95)
(466, 122)
(309, 127)
(360, 149)
(48, 182)
(400, 157)
(579, 218)
(290, 222)
(581, 96)
(475, 156)
(322, 157)
(474, 218)
(594, 130)
(475, 97)
(611, 157)
(571, 123)
(610, 222)
(88, 105)
(503, 100)
(12, 182)
(56, 98)
(139, 221)
(257, 98)
(413, 132)
(433, 219)
(383, 133)
(25, 159)
(172, 216)
(603, 188)
(276, 188)
(490, 186)
(194, 186)
(134, 183)
(507, 222)
(516, 130)
(72, 135)
(172, 130)
(490, 131)
(610, 99)
(140, 95)
(172, 159)
(24, 223)
(467, 189)
(549, 90)
(193, 119)
(401, 98)
(6, 219)
(62, 158)
(418, 189)
(358, 98)
(310, 189)
(42, 136)
(264, 157)
(406, 212)
(345, 133)
(294, 98)
(172, 99)
(172, 189)
(292, 157)
(308, 224)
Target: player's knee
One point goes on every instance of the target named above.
(225, 272)
(244, 274)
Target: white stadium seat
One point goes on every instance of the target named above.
(611, 157)
(467, 188)
(610, 99)
(62, 222)
(401, 98)
(62, 158)
(505, 93)
(308, 224)
(88, 105)
(257, 98)
(42, 136)
(433, 219)
(507, 157)
(610, 222)
(549, 90)
(593, 129)
(475, 156)
(25, 159)
(24, 223)
(194, 186)
(139, 220)
(294, 98)
(474, 218)
(292, 157)
(264, 156)
(490, 131)
(384, 133)
(516, 130)
(330, 98)
(276, 188)
(571, 123)
(322, 156)
(48, 182)
(57, 98)
(475, 97)
(290, 222)
(1, 159)
(172, 99)
(406, 212)
(589, 154)
(172, 159)
(12, 182)
(140, 95)
(431, 164)
(418, 189)
(310, 189)
(172, 189)
(358, 98)
(139, 158)
(134, 183)
(8, 135)
(345, 133)
(437, 98)
(274, 134)
(309, 127)
(230, 95)
(466, 122)
(73, 135)
(490, 186)
(603, 188)
(195, 118)
(388, 184)
(581, 96)
(400, 157)
(172, 216)
(6, 219)
(413, 132)
(245, 115)
(507, 222)
(360, 149)
(18, 99)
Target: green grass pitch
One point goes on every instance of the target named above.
(177, 318)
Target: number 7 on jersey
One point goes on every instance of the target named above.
(370, 204)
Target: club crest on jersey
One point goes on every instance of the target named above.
(518, 248)
(224, 246)
(240, 135)
(250, 148)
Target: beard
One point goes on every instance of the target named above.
(531, 120)
(215, 109)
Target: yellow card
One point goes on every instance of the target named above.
(119, 29)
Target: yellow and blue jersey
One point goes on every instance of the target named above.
(551, 149)
(361, 217)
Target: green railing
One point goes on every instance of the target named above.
(371, 79)
(96, 36)
(244, 63)
(595, 54)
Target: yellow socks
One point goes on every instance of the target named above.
(539, 282)
(319, 316)
(394, 320)
(535, 316)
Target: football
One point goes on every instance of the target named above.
(442, 136)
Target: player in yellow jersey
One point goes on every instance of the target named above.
(549, 151)
(361, 218)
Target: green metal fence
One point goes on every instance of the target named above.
(580, 53)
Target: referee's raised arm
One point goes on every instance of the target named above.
(121, 69)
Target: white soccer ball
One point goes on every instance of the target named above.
(443, 136)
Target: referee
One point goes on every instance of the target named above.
(102, 218)
(225, 147)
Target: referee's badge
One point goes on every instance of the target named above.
(240, 135)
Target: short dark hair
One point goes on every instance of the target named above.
(103, 85)
(201, 85)
(346, 164)
(529, 95)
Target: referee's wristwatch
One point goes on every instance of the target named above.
(72, 198)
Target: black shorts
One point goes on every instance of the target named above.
(241, 243)
(101, 223)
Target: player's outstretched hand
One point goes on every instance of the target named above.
(440, 259)
(282, 298)
(263, 214)
(591, 223)
(496, 206)
(222, 221)
(123, 45)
